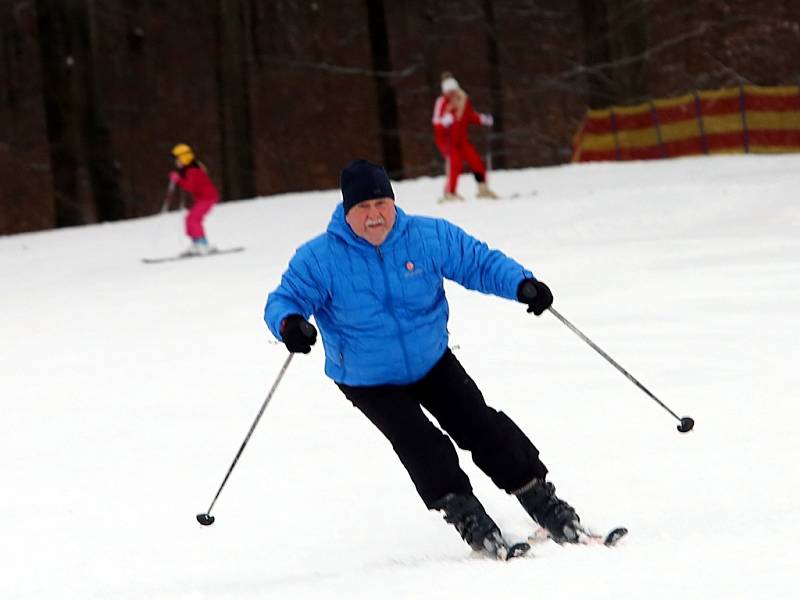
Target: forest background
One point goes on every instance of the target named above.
(276, 95)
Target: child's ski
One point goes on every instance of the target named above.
(182, 256)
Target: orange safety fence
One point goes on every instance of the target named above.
(743, 119)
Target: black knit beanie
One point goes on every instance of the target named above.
(362, 180)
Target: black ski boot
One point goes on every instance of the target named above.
(476, 527)
(548, 510)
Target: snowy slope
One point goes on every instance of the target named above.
(128, 388)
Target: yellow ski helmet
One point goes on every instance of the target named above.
(183, 153)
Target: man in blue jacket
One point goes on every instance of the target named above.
(374, 282)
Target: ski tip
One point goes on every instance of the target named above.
(504, 551)
(518, 550)
(614, 536)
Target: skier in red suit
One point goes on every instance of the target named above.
(192, 177)
(452, 115)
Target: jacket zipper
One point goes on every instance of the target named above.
(390, 308)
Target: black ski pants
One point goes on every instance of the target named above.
(499, 448)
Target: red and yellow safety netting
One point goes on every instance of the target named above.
(737, 120)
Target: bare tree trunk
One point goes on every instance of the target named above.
(627, 22)
(85, 176)
(233, 75)
(615, 41)
(27, 201)
(596, 52)
(496, 88)
(384, 89)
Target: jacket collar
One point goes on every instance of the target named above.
(338, 227)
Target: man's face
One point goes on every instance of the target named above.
(372, 219)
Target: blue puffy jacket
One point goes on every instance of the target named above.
(381, 310)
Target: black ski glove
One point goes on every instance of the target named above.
(535, 294)
(298, 334)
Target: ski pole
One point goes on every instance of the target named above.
(168, 197)
(686, 423)
(489, 136)
(206, 518)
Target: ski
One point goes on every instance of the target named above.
(585, 537)
(531, 194)
(504, 552)
(513, 551)
(615, 535)
(453, 200)
(512, 196)
(215, 252)
(496, 547)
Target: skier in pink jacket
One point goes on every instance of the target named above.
(191, 176)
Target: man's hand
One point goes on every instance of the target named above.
(174, 177)
(298, 334)
(535, 294)
(447, 119)
(487, 120)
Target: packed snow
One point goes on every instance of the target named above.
(127, 390)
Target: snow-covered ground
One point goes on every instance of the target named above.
(128, 388)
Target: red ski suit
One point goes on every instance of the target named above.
(451, 137)
(196, 181)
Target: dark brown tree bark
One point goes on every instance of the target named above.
(627, 22)
(26, 192)
(384, 89)
(597, 53)
(495, 88)
(85, 175)
(317, 95)
(233, 74)
(615, 46)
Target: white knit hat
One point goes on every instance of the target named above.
(450, 85)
